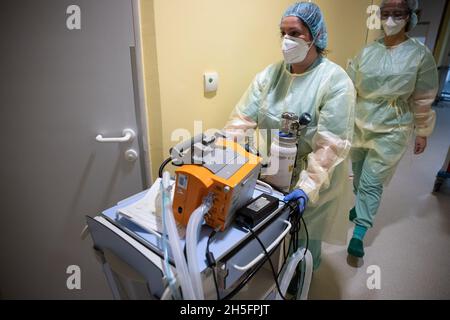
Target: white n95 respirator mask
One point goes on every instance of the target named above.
(392, 27)
(294, 49)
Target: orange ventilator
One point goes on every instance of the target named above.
(229, 174)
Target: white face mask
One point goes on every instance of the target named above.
(392, 27)
(294, 49)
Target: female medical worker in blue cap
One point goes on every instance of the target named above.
(307, 82)
(397, 81)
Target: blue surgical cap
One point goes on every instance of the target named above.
(413, 6)
(310, 15)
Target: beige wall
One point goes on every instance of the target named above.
(237, 38)
(347, 27)
(375, 34)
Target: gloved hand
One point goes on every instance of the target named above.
(300, 196)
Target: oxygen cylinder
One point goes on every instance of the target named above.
(283, 152)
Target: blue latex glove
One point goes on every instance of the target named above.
(300, 196)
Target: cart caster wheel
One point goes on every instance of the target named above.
(438, 184)
(437, 187)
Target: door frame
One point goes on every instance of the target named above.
(140, 99)
(442, 48)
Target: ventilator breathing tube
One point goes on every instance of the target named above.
(192, 235)
(307, 279)
(288, 273)
(174, 240)
(164, 244)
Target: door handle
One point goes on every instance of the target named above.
(128, 136)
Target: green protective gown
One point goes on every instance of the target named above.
(396, 87)
(327, 93)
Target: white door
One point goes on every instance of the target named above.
(61, 87)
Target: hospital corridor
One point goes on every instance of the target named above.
(215, 154)
(410, 242)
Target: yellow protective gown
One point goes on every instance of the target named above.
(327, 93)
(396, 87)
